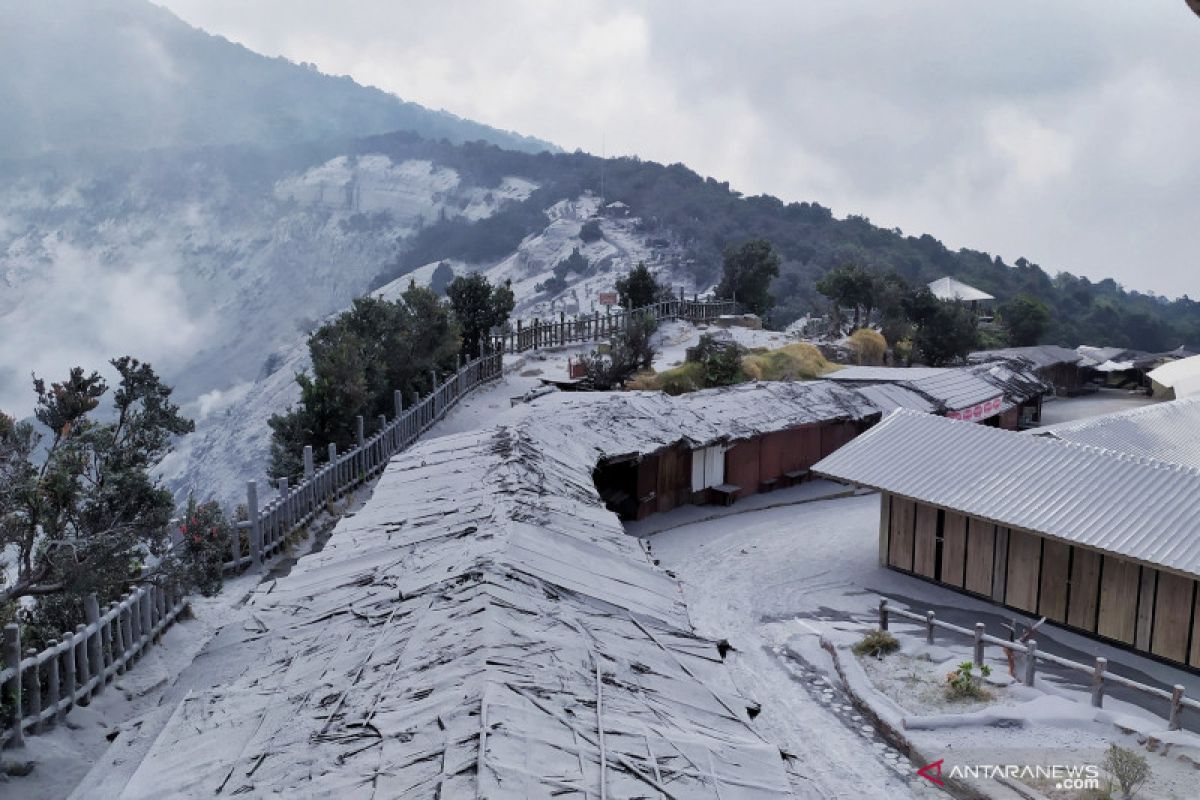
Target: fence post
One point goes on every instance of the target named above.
(94, 646)
(1030, 661)
(929, 627)
(83, 666)
(53, 678)
(285, 509)
(34, 676)
(308, 462)
(12, 660)
(69, 668)
(358, 430)
(1176, 721)
(333, 476)
(398, 402)
(1098, 682)
(979, 627)
(883, 614)
(255, 524)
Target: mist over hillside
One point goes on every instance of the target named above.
(98, 75)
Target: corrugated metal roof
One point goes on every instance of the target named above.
(1043, 355)
(950, 289)
(1017, 379)
(1135, 507)
(1167, 431)
(950, 388)
(887, 397)
(455, 635)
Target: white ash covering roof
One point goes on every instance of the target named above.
(1167, 431)
(1043, 355)
(1130, 506)
(485, 628)
(1183, 376)
(1016, 378)
(950, 289)
(950, 388)
(890, 396)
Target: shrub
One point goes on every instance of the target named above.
(590, 231)
(798, 361)
(876, 643)
(964, 684)
(1128, 768)
(869, 347)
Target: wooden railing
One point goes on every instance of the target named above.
(41, 687)
(596, 326)
(1100, 676)
(293, 507)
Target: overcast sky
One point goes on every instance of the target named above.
(1065, 131)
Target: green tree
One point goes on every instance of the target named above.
(442, 275)
(638, 289)
(748, 272)
(85, 514)
(590, 231)
(358, 360)
(1026, 318)
(479, 307)
(628, 351)
(850, 285)
(946, 332)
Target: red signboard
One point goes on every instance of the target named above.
(978, 412)
(608, 298)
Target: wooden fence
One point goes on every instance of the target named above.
(1100, 676)
(269, 525)
(596, 326)
(41, 687)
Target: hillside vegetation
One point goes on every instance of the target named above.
(704, 216)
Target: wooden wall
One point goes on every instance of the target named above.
(1144, 608)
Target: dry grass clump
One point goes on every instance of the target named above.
(793, 362)
(869, 347)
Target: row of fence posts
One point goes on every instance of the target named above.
(596, 326)
(41, 687)
(268, 525)
(1099, 670)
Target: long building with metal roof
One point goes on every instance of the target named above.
(1097, 539)
(484, 627)
(1168, 431)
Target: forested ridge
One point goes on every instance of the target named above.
(704, 215)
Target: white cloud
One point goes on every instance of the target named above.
(1055, 131)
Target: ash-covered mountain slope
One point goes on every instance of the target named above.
(100, 75)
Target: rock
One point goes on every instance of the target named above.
(1152, 744)
(17, 769)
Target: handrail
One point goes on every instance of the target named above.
(1099, 670)
(42, 687)
(596, 326)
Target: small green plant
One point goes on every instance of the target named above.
(1127, 768)
(876, 643)
(964, 684)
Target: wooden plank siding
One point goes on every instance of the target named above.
(1119, 584)
(954, 549)
(741, 466)
(900, 551)
(1147, 609)
(1172, 616)
(1084, 590)
(925, 540)
(1052, 597)
(981, 548)
(1023, 565)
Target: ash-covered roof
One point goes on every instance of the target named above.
(1042, 355)
(1183, 376)
(949, 388)
(1136, 507)
(950, 289)
(1167, 431)
(1015, 378)
(485, 628)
